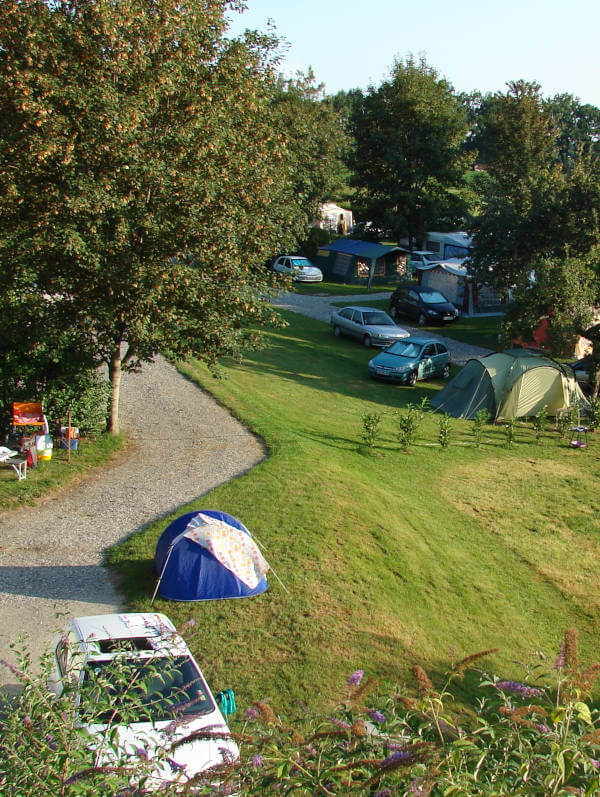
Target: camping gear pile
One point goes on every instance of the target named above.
(29, 438)
(517, 383)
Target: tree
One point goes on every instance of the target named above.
(537, 232)
(407, 158)
(529, 208)
(578, 127)
(144, 175)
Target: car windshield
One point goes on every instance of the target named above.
(402, 349)
(378, 319)
(301, 262)
(143, 689)
(433, 297)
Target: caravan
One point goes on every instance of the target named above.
(448, 245)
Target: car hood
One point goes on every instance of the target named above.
(386, 331)
(392, 361)
(308, 270)
(143, 739)
(441, 307)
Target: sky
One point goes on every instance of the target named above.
(474, 44)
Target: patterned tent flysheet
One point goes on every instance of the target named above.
(208, 555)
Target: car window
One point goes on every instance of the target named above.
(377, 318)
(433, 297)
(286, 263)
(413, 297)
(357, 317)
(429, 350)
(402, 349)
(346, 313)
(161, 688)
(441, 348)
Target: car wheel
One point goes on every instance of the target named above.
(393, 312)
(412, 378)
(367, 341)
(446, 371)
(421, 320)
(337, 331)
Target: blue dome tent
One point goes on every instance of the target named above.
(208, 555)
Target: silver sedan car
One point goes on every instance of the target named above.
(372, 327)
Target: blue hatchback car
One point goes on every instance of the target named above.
(411, 359)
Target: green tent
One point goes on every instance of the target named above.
(510, 384)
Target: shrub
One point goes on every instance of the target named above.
(408, 423)
(371, 422)
(444, 431)
(481, 418)
(539, 736)
(510, 429)
(86, 395)
(539, 423)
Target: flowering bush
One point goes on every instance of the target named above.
(535, 737)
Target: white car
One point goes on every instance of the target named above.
(108, 655)
(299, 268)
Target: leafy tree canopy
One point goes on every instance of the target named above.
(147, 168)
(407, 157)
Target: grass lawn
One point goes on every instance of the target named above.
(57, 472)
(389, 558)
(337, 289)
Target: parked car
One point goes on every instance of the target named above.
(373, 327)
(299, 268)
(103, 653)
(411, 359)
(423, 305)
(581, 369)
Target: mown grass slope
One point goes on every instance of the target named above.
(388, 558)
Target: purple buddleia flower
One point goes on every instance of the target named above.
(141, 753)
(416, 787)
(51, 743)
(257, 761)
(340, 723)
(595, 763)
(12, 668)
(560, 659)
(175, 765)
(396, 758)
(543, 728)
(377, 716)
(384, 793)
(252, 713)
(356, 678)
(518, 689)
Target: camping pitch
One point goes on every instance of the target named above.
(510, 384)
(208, 555)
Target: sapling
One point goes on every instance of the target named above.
(408, 425)
(444, 430)
(539, 422)
(481, 418)
(371, 422)
(510, 429)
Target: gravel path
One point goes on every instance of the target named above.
(183, 445)
(320, 307)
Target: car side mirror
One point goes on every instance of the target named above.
(226, 700)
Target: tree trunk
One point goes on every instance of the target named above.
(114, 369)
